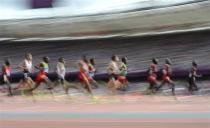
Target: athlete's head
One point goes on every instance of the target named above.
(7, 62)
(168, 61)
(92, 61)
(124, 60)
(46, 59)
(194, 63)
(28, 56)
(115, 58)
(84, 59)
(155, 61)
(61, 59)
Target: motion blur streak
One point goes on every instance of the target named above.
(21, 9)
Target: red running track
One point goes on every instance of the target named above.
(120, 111)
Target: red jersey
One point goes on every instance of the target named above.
(153, 70)
(6, 70)
(152, 73)
(166, 72)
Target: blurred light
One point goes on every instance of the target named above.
(21, 9)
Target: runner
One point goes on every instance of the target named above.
(26, 67)
(84, 74)
(113, 71)
(6, 73)
(192, 77)
(167, 71)
(91, 67)
(123, 82)
(61, 71)
(113, 67)
(152, 75)
(92, 71)
(43, 68)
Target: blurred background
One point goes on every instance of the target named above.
(137, 29)
(72, 28)
(24, 19)
(23, 9)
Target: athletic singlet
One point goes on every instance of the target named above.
(84, 73)
(123, 69)
(153, 70)
(28, 66)
(193, 72)
(113, 68)
(6, 71)
(60, 69)
(166, 70)
(84, 69)
(91, 70)
(45, 67)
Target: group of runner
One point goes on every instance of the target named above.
(166, 76)
(117, 71)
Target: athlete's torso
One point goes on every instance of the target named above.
(45, 67)
(27, 66)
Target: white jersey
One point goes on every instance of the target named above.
(113, 68)
(27, 65)
(61, 70)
